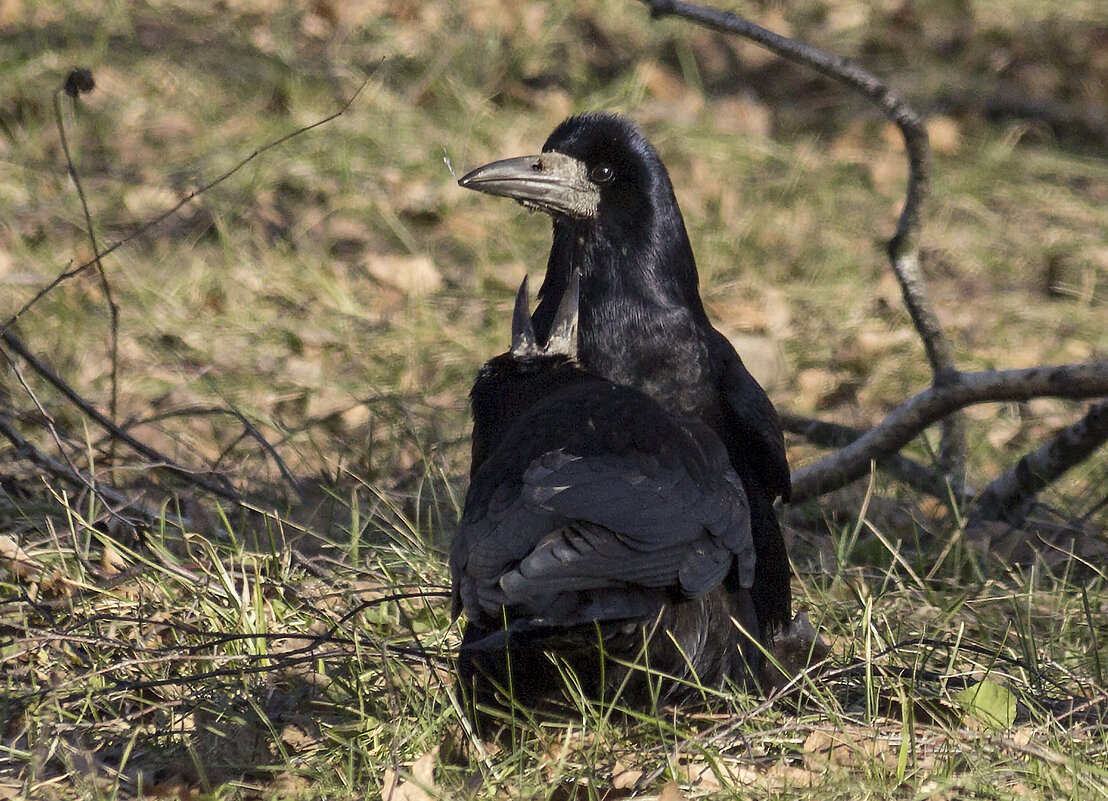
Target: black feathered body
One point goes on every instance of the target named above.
(598, 527)
(642, 324)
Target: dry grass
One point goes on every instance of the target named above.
(340, 291)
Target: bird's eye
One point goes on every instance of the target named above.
(601, 174)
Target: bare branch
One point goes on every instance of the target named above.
(1010, 497)
(903, 248)
(907, 421)
(67, 471)
(250, 431)
(73, 477)
(78, 81)
(47, 372)
(50, 426)
(835, 435)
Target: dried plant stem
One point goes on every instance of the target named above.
(113, 308)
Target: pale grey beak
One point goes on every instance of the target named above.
(523, 332)
(563, 332)
(552, 182)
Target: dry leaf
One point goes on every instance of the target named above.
(423, 779)
(888, 172)
(401, 791)
(791, 776)
(933, 509)
(823, 748)
(423, 769)
(812, 383)
(945, 135)
(623, 777)
(111, 563)
(177, 787)
(709, 777)
(415, 276)
(662, 82)
(295, 738)
(671, 791)
(13, 557)
(288, 785)
(388, 784)
(821, 389)
(818, 742)
(11, 12)
(764, 358)
(741, 115)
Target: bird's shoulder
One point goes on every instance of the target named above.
(603, 421)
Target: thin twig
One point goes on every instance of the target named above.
(195, 193)
(909, 419)
(249, 431)
(68, 473)
(47, 372)
(50, 425)
(76, 82)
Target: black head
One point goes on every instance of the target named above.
(592, 167)
(616, 219)
(624, 167)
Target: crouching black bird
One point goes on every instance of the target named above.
(642, 323)
(599, 530)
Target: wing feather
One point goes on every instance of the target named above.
(603, 526)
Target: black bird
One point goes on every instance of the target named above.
(598, 529)
(642, 323)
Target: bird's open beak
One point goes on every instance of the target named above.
(553, 182)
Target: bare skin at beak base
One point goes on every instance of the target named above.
(551, 182)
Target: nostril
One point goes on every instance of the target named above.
(537, 166)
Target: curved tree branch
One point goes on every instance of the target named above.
(835, 435)
(1010, 497)
(907, 421)
(903, 248)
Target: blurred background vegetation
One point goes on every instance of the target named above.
(340, 290)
